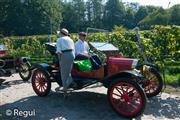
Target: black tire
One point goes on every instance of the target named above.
(156, 83)
(136, 92)
(41, 82)
(24, 71)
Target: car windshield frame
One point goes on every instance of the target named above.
(103, 46)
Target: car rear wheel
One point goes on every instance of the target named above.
(41, 82)
(126, 97)
(24, 71)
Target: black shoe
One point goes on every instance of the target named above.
(1, 81)
(73, 85)
(61, 90)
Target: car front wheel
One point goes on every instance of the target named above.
(126, 97)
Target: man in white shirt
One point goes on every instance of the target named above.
(82, 47)
(82, 51)
(65, 52)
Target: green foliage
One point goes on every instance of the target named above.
(129, 19)
(158, 17)
(114, 13)
(161, 45)
(175, 15)
(29, 46)
(141, 14)
(27, 17)
(173, 80)
(165, 42)
(34, 17)
(119, 29)
(74, 15)
(172, 72)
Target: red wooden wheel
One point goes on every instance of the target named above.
(127, 98)
(41, 83)
(154, 83)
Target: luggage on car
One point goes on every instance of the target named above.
(84, 65)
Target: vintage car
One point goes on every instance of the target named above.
(10, 65)
(117, 74)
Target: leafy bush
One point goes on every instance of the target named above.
(159, 44)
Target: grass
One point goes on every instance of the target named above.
(172, 73)
(41, 60)
(173, 80)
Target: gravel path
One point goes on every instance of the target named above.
(86, 104)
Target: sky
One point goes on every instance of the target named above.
(163, 3)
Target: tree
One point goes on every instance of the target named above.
(151, 9)
(132, 5)
(27, 17)
(141, 14)
(74, 15)
(114, 13)
(68, 17)
(129, 19)
(158, 17)
(175, 15)
(95, 13)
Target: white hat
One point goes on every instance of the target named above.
(64, 31)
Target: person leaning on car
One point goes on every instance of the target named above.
(65, 52)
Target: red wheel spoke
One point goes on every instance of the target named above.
(118, 90)
(133, 106)
(152, 77)
(132, 90)
(117, 95)
(38, 85)
(116, 101)
(44, 87)
(123, 106)
(153, 88)
(40, 88)
(37, 81)
(135, 98)
(121, 88)
(149, 89)
(126, 88)
(37, 75)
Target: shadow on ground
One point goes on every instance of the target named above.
(6, 84)
(159, 107)
(78, 106)
(85, 106)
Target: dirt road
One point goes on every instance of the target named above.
(86, 104)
